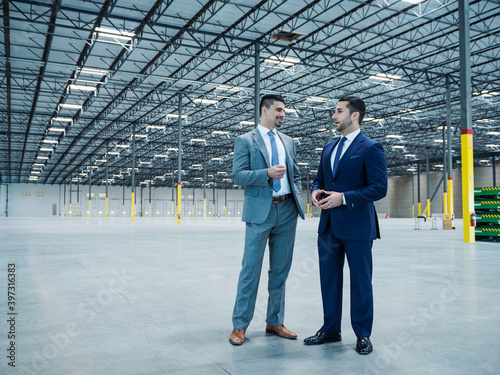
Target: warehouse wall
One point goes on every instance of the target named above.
(48, 200)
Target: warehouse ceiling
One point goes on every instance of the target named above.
(83, 83)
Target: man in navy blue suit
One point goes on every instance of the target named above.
(352, 175)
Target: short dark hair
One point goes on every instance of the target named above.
(268, 100)
(355, 105)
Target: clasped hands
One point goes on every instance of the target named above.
(331, 200)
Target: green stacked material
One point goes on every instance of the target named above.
(487, 207)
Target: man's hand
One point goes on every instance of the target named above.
(333, 199)
(276, 172)
(316, 194)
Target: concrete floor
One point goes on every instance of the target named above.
(152, 297)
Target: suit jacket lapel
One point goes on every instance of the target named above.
(328, 160)
(262, 146)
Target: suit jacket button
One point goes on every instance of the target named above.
(333, 183)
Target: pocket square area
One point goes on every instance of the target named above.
(354, 157)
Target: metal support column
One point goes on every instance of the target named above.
(64, 200)
(132, 197)
(428, 178)
(494, 162)
(107, 182)
(419, 206)
(204, 183)
(466, 121)
(449, 164)
(330, 126)
(179, 163)
(90, 190)
(257, 83)
(69, 209)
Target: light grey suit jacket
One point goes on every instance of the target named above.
(250, 164)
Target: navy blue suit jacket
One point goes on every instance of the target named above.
(362, 177)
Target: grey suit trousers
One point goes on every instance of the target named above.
(279, 228)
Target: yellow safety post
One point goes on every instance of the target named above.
(428, 208)
(123, 210)
(308, 211)
(179, 196)
(419, 209)
(132, 207)
(467, 185)
(204, 208)
(445, 204)
(106, 210)
(225, 211)
(193, 211)
(64, 210)
(69, 212)
(89, 208)
(77, 209)
(150, 210)
(451, 208)
(213, 210)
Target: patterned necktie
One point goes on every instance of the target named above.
(337, 155)
(275, 159)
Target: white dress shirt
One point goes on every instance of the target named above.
(285, 186)
(349, 138)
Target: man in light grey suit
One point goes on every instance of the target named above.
(265, 164)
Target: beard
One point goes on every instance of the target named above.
(344, 125)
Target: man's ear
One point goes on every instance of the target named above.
(355, 115)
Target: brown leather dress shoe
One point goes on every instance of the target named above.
(237, 336)
(281, 331)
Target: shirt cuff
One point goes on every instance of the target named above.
(343, 199)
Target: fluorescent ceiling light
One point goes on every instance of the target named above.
(410, 155)
(439, 165)
(285, 61)
(35, 172)
(493, 133)
(119, 34)
(220, 132)
(46, 149)
(398, 146)
(290, 110)
(205, 101)
(172, 149)
(50, 141)
(123, 146)
(70, 106)
(82, 87)
(101, 160)
(302, 163)
(138, 135)
(394, 136)
(247, 122)
(113, 153)
(438, 141)
(384, 77)
(484, 161)
(93, 71)
(228, 88)
(197, 140)
(411, 169)
(145, 162)
(216, 159)
(160, 156)
(492, 145)
(323, 130)
(317, 99)
(319, 148)
(62, 119)
(61, 130)
(412, 1)
(42, 157)
(158, 127)
(173, 115)
(39, 164)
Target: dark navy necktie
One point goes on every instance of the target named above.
(337, 155)
(275, 159)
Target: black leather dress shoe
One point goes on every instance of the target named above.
(322, 337)
(364, 346)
